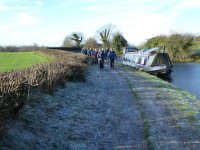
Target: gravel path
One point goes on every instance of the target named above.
(100, 113)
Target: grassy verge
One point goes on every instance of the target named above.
(184, 102)
(18, 60)
(145, 121)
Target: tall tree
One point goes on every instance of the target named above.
(77, 37)
(119, 42)
(105, 33)
(91, 43)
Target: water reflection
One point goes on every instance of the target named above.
(187, 77)
(168, 79)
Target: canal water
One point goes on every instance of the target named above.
(187, 77)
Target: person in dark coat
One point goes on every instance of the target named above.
(101, 58)
(95, 53)
(112, 55)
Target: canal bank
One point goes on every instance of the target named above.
(119, 108)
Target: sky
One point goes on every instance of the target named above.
(48, 22)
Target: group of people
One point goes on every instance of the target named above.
(100, 56)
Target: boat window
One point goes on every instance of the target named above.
(143, 61)
(161, 59)
(131, 49)
(138, 60)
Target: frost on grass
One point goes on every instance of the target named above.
(171, 112)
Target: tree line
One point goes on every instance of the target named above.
(180, 46)
(106, 35)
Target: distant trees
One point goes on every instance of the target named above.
(118, 42)
(178, 45)
(24, 48)
(74, 39)
(91, 43)
(104, 34)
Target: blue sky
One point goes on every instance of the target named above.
(47, 22)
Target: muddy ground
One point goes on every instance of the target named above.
(113, 109)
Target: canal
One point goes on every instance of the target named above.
(187, 77)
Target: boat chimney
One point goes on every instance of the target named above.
(163, 49)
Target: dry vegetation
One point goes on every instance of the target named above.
(16, 86)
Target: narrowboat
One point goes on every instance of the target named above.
(154, 61)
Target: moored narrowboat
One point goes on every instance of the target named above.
(152, 61)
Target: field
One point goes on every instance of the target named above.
(196, 45)
(17, 60)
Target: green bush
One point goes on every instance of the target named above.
(178, 45)
(158, 41)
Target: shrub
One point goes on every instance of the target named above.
(179, 46)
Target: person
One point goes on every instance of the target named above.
(106, 55)
(112, 56)
(101, 58)
(95, 53)
(92, 57)
(84, 51)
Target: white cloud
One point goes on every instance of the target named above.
(137, 20)
(188, 4)
(3, 7)
(24, 19)
(136, 25)
(18, 13)
(20, 20)
(182, 6)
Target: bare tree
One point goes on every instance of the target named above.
(105, 33)
(68, 42)
(91, 43)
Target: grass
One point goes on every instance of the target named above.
(10, 61)
(145, 120)
(182, 100)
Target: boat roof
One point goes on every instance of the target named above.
(152, 50)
